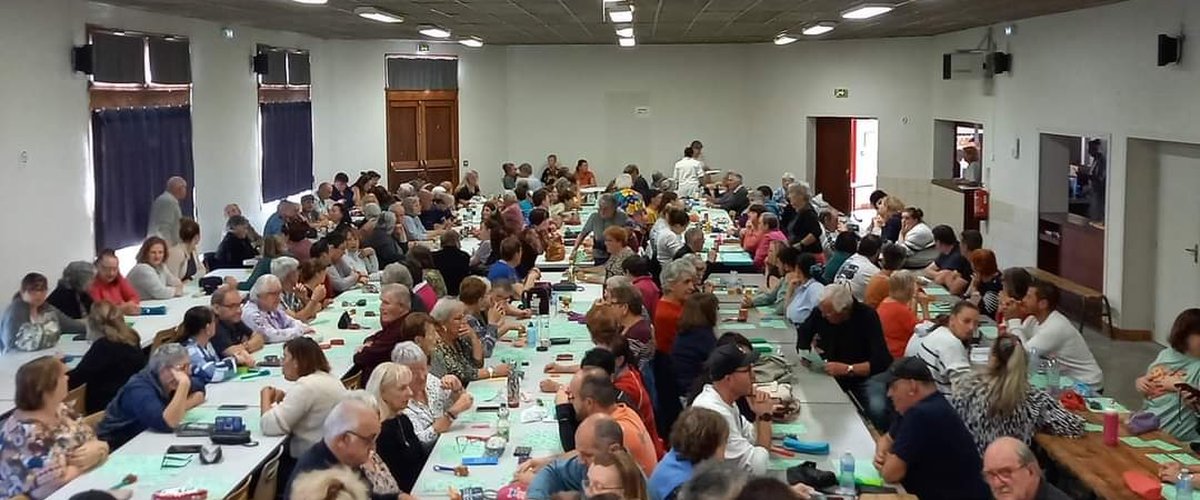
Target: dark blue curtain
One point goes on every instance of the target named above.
(287, 152)
(135, 151)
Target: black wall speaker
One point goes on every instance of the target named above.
(83, 59)
(998, 62)
(261, 64)
(1169, 49)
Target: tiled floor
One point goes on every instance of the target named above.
(1122, 362)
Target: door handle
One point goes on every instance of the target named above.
(1195, 251)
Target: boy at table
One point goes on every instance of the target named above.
(155, 398)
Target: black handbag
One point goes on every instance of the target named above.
(809, 474)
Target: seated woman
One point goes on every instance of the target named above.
(154, 399)
(917, 238)
(469, 188)
(485, 317)
(698, 435)
(71, 296)
(273, 248)
(771, 233)
(150, 277)
(457, 350)
(1178, 413)
(584, 177)
(695, 340)
(616, 241)
(362, 260)
(535, 240)
(383, 241)
(298, 244)
(184, 260)
(302, 411)
(299, 301)
(887, 222)
(238, 245)
(398, 445)
(30, 323)
(264, 312)
(114, 356)
(752, 231)
(1001, 402)
(44, 444)
(420, 263)
(435, 402)
(196, 333)
(898, 312)
(986, 284)
(845, 245)
(617, 474)
(311, 287)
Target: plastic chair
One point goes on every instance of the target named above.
(76, 399)
(267, 484)
(241, 492)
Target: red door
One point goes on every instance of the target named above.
(834, 156)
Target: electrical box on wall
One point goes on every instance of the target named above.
(841, 93)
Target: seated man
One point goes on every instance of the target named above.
(1012, 472)
(233, 338)
(155, 398)
(631, 392)
(735, 198)
(950, 268)
(506, 267)
(1047, 332)
(860, 267)
(349, 435)
(596, 435)
(850, 342)
(944, 349)
(593, 393)
(927, 449)
(109, 286)
(286, 211)
(732, 375)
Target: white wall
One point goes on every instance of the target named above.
(46, 113)
(1090, 73)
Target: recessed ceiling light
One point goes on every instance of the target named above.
(430, 30)
(626, 42)
(820, 28)
(784, 39)
(376, 14)
(312, 2)
(621, 13)
(472, 42)
(625, 31)
(868, 10)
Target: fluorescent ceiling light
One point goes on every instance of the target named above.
(430, 30)
(621, 13)
(626, 42)
(376, 14)
(472, 42)
(312, 2)
(784, 39)
(867, 11)
(818, 29)
(625, 32)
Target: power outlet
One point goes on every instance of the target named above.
(466, 163)
(23, 159)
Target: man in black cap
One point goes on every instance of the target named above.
(927, 449)
(731, 371)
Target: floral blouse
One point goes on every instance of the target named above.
(455, 359)
(613, 266)
(423, 414)
(380, 477)
(28, 446)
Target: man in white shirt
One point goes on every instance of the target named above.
(860, 267)
(689, 173)
(668, 240)
(1051, 334)
(732, 373)
(944, 350)
(165, 212)
(324, 199)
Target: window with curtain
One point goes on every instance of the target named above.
(285, 118)
(140, 101)
(421, 73)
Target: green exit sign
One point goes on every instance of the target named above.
(841, 93)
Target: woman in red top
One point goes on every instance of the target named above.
(583, 174)
(679, 280)
(753, 231)
(897, 313)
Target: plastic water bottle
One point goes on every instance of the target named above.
(1052, 375)
(1183, 485)
(532, 333)
(1035, 361)
(846, 478)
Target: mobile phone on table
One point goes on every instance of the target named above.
(183, 449)
(232, 407)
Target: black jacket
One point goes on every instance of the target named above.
(400, 449)
(688, 355)
(455, 265)
(105, 368)
(387, 249)
(75, 304)
(320, 458)
(233, 251)
(857, 339)
(735, 200)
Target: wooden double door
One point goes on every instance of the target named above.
(422, 136)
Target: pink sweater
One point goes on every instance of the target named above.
(764, 245)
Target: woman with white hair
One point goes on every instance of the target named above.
(299, 303)
(628, 200)
(265, 313)
(71, 295)
(459, 351)
(435, 401)
(382, 240)
(402, 452)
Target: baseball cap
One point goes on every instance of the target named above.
(728, 358)
(911, 368)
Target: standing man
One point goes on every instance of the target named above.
(1098, 180)
(732, 375)
(688, 174)
(165, 212)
